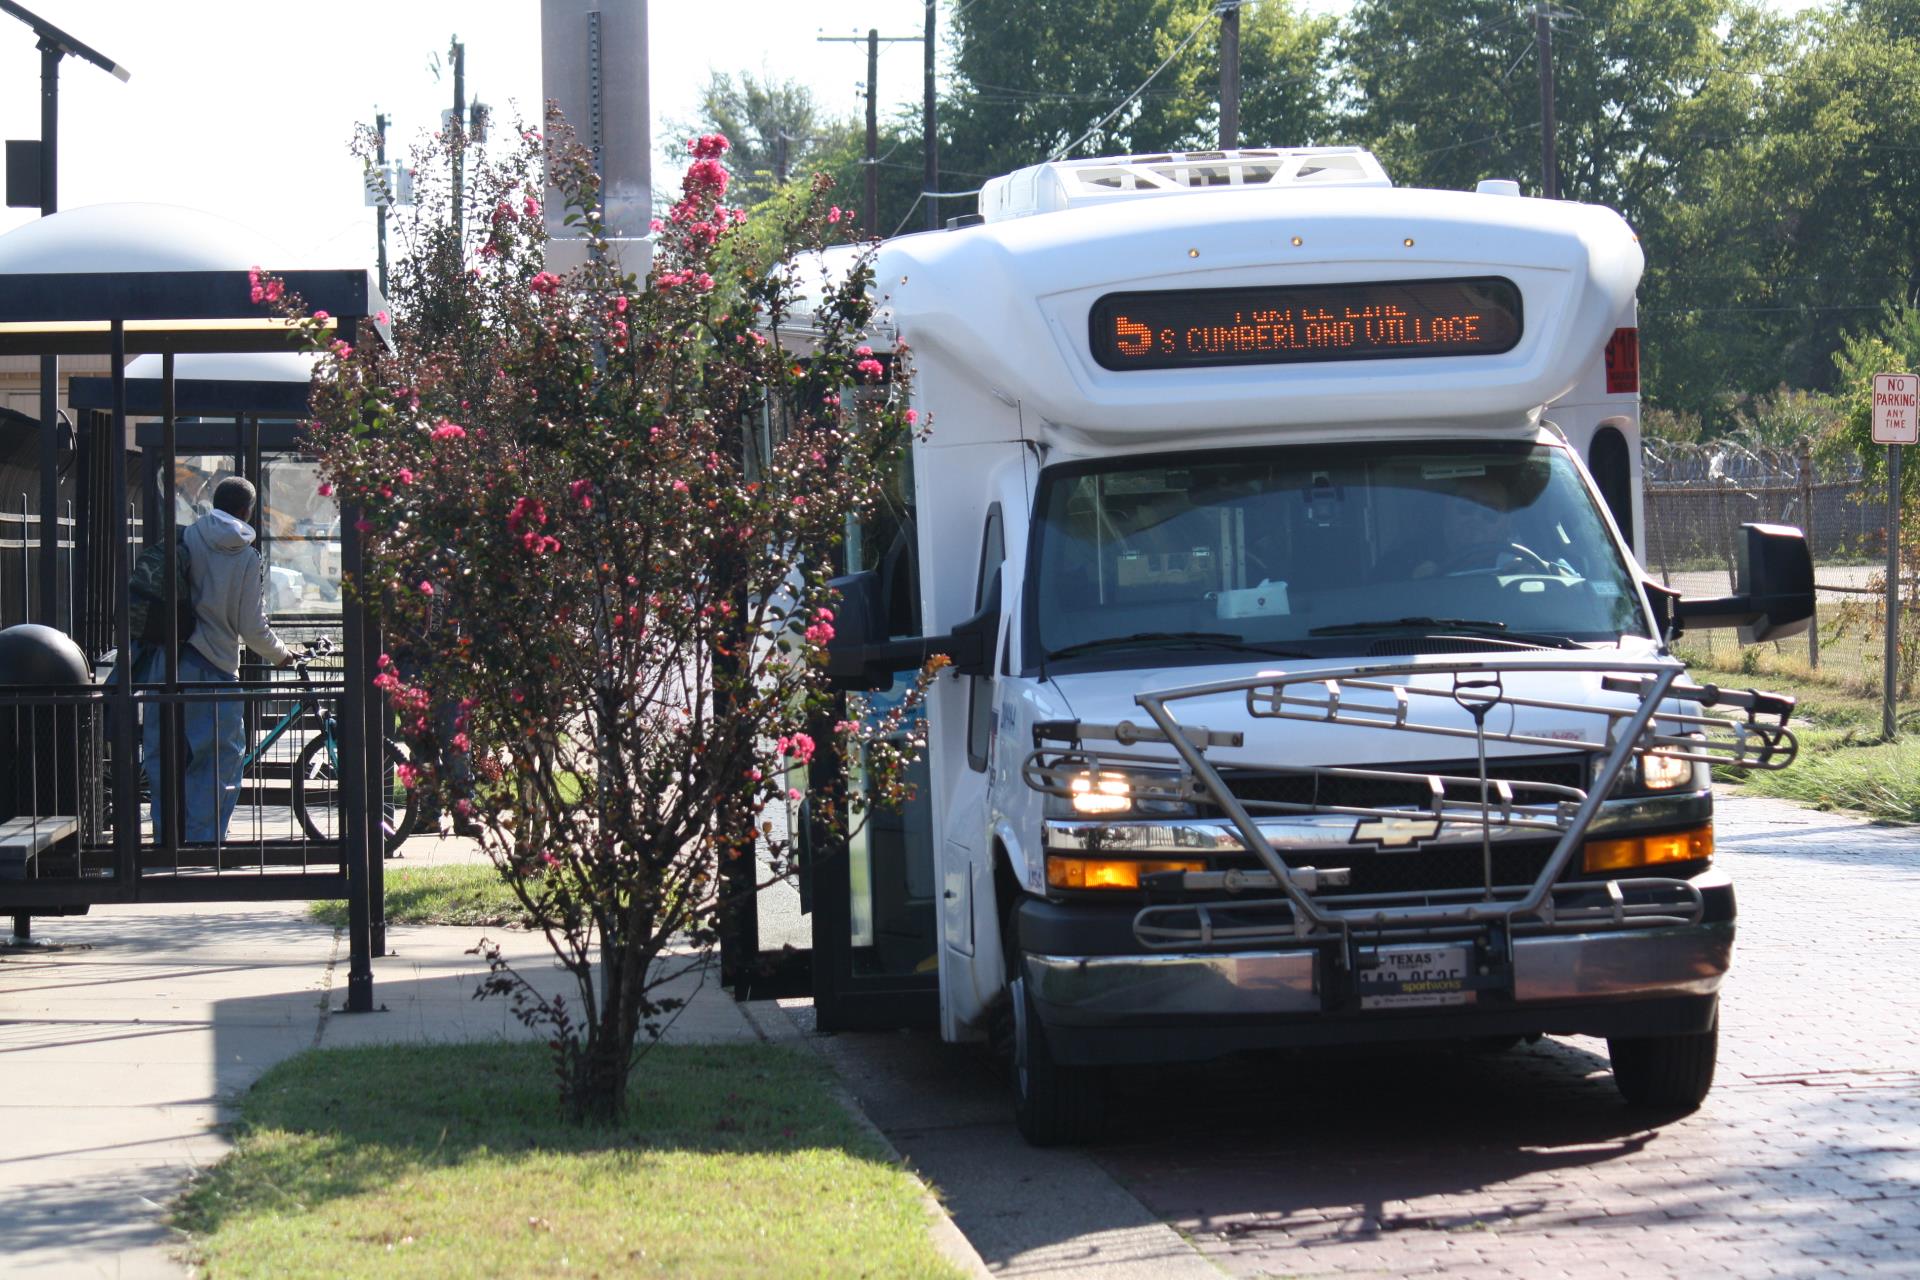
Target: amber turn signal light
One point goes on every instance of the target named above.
(1690, 845)
(1108, 873)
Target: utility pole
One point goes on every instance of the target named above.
(1543, 39)
(459, 142)
(871, 206)
(54, 45)
(380, 210)
(930, 140)
(1228, 12)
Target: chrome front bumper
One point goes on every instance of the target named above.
(1552, 969)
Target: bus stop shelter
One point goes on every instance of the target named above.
(77, 781)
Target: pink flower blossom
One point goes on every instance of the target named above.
(869, 368)
(793, 793)
(530, 207)
(380, 317)
(326, 490)
(820, 633)
(408, 775)
(797, 745)
(526, 511)
(426, 588)
(502, 212)
(449, 431)
(913, 416)
(406, 475)
(679, 486)
(342, 349)
(321, 316)
(581, 492)
(545, 283)
(833, 214)
(710, 146)
(461, 742)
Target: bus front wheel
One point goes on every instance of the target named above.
(1052, 1103)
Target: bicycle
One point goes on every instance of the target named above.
(316, 772)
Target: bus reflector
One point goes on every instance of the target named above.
(1107, 873)
(1623, 362)
(1648, 851)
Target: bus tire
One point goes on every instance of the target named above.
(1052, 1103)
(1667, 1073)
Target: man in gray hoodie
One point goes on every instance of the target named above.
(228, 579)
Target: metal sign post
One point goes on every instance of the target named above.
(1896, 421)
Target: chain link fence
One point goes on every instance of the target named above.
(1698, 496)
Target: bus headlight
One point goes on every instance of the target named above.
(1114, 793)
(1094, 793)
(1660, 771)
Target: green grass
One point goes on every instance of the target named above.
(1843, 762)
(449, 1160)
(473, 895)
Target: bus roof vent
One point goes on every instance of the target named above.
(1061, 184)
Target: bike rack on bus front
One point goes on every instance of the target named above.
(1391, 698)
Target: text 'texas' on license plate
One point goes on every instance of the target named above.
(1415, 977)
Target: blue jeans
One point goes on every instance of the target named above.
(216, 744)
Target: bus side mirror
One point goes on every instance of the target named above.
(862, 656)
(1773, 582)
(859, 620)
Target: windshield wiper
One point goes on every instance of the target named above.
(1479, 628)
(1173, 639)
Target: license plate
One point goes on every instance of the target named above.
(1416, 977)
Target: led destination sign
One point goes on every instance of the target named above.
(1300, 324)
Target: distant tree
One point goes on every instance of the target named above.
(1034, 76)
(776, 129)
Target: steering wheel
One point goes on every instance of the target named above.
(1497, 559)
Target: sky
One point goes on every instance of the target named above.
(246, 107)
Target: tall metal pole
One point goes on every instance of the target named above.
(1229, 11)
(49, 611)
(930, 138)
(870, 211)
(1889, 671)
(380, 212)
(1805, 463)
(1549, 163)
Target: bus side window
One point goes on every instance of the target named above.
(993, 550)
(1613, 472)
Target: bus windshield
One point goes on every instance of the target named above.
(1326, 549)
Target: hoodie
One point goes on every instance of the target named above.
(229, 596)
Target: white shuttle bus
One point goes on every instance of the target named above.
(1308, 688)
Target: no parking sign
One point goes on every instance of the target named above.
(1896, 408)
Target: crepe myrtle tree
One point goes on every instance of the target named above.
(600, 514)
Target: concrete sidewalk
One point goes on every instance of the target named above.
(122, 1053)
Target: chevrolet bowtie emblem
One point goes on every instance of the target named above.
(1394, 833)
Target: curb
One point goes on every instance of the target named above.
(776, 1026)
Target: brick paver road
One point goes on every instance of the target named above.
(1805, 1160)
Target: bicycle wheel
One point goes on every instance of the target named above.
(316, 795)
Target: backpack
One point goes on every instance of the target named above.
(147, 595)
